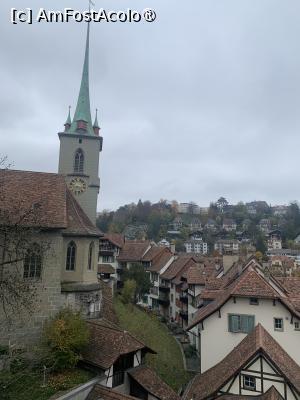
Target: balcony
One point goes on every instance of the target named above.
(184, 315)
(164, 288)
(184, 298)
(164, 300)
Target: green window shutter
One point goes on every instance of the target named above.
(250, 323)
(234, 323)
(247, 323)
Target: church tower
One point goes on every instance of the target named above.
(80, 145)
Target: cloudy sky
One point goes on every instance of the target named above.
(201, 103)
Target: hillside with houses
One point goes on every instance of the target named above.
(217, 229)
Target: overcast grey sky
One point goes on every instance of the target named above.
(201, 103)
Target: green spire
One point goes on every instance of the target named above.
(83, 110)
(96, 124)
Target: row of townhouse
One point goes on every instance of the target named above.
(246, 329)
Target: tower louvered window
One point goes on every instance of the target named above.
(71, 257)
(79, 161)
(91, 254)
(33, 262)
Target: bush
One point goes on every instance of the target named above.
(128, 291)
(65, 336)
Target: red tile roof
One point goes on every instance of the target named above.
(78, 222)
(21, 190)
(107, 343)
(270, 394)
(116, 238)
(162, 260)
(105, 269)
(250, 283)
(45, 202)
(207, 385)
(151, 382)
(100, 392)
(133, 250)
(178, 266)
(198, 274)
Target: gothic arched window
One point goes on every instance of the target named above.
(91, 256)
(71, 256)
(33, 262)
(79, 161)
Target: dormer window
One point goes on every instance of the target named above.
(79, 161)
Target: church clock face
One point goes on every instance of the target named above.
(77, 186)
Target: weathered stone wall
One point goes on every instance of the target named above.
(25, 328)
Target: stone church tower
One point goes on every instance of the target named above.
(80, 145)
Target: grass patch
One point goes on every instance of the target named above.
(168, 361)
(28, 385)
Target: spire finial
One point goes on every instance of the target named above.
(82, 117)
(68, 122)
(96, 126)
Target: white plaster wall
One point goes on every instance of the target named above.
(217, 342)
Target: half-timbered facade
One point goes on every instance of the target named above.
(255, 367)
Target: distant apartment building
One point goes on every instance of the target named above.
(227, 246)
(196, 245)
(265, 225)
(229, 225)
(188, 208)
(279, 211)
(274, 240)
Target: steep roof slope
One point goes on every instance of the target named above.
(108, 342)
(211, 381)
(152, 383)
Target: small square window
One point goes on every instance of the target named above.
(249, 382)
(278, 324)
(254, 301)
(297, 326)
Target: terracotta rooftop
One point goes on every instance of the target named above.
(152, 253)
(133, 250)
(78, 221)
(105, 269)
(108, 342)
(100, 392)
(270, 394)
(178, 266)
(208, 384)
(115, 238)
(159, 262)
(107, 311)
(198, 274)
(44, 201)
(152, 383)
(250, 283)
(21, 190)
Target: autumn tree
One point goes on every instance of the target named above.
(141, 277)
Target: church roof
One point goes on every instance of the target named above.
(206, 385)
(42, 200)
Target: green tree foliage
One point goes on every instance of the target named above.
(128, 291)
(65, 335)
(138, 274)
(260, 244)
